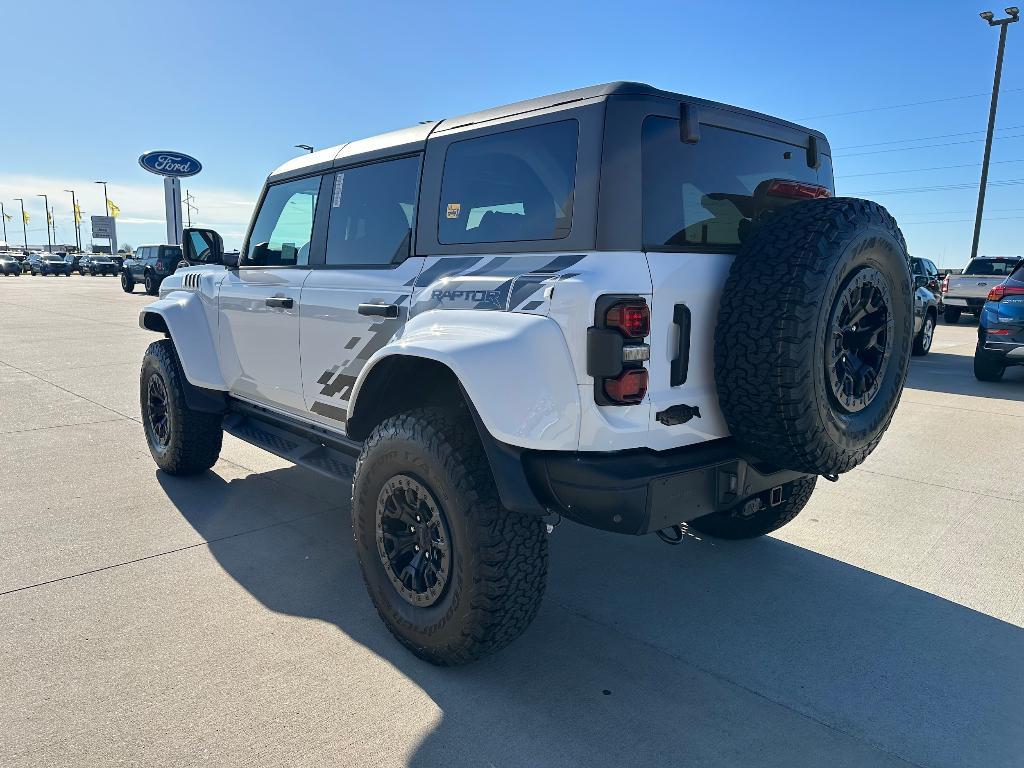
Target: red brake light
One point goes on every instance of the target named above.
(1003, 289)
(945, 284)
(629, 388)
(797, 190)
(999, 332)
(631, 318)
(159, 266)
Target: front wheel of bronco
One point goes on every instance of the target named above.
(756, 517)
(452, 573)
(182, 441)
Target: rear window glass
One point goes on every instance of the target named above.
(713, 192)
(999, 267)
(511, 186)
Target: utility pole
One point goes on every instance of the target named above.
(1013, 14)
(3, 218)
(24, 227)
(74, 219)
(49, 240)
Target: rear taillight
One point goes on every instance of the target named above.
(616, 351)
(632, 318)
(628, 388)
(1001, 290)
(796, 190)
(159, 266)
(945, 284)
(999, 332)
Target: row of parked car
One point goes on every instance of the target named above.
(58, 263)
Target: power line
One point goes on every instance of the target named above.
(930, 146)
(937, 188)
(960, 221)
(922, 138)
(919, 170)
(908, 104)
(946, 213)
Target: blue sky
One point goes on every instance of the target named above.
(237, 84)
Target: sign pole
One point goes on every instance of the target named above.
(172, 208)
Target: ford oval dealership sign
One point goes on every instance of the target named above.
(175, 164)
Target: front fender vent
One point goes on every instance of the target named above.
(190, 281)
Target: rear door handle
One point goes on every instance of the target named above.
(389, 311)
(281, 301)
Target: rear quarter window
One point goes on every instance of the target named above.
(712, 193)
(511, 186)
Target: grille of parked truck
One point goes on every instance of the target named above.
(621, 305)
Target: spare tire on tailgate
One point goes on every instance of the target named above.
(814, 335)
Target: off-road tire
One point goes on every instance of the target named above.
(924, 338)
(987, 367)
(951, 315)
(127, 283)
(742, 523)
(194, 440)
(774, 332)
(150, 284)
(498, 557)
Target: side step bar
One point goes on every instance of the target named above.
(330, 455)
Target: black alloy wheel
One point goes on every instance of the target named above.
(859, 350)
(413, 540)
(158, 416)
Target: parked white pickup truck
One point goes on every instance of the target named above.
(967, 292)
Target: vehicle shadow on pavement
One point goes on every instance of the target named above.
(954, 374)
(710, 653)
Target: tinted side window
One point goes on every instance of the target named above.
(372, 209)
(713, 192)
(171, 252)
(284, 225)
(510, 186)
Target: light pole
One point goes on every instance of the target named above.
(74, 219)
(305, 147)
(3, 218)
(106, 200)
(49, 240)
(24, 228)
(1012, 15)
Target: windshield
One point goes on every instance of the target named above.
(997, 267)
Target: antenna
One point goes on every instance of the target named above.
(190, 206)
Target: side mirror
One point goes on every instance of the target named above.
(202, 246)
(920, 281)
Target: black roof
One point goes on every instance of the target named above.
(325, 158)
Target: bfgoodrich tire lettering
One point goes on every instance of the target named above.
(789, 310)
(498, 559)
(182, 441)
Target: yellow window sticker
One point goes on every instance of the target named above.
(454, 209)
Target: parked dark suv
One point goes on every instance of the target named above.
(1001, 328)
(49, 264)
(149, 266)
(97, 264)
(926, 275)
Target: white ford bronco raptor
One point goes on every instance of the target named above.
(624, 306)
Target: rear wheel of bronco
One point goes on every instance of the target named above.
(756, 517)
(150, 284)
(182, 441)
(452, 573)
(814, 334)
(127, 284)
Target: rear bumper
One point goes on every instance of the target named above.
(964, 303)
(1011, 352)
(640, 491)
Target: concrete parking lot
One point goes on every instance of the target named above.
(222, 620)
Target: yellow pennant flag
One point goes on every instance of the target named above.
(78, 214)
(26, 217)
(112, 209)
(49, 218)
